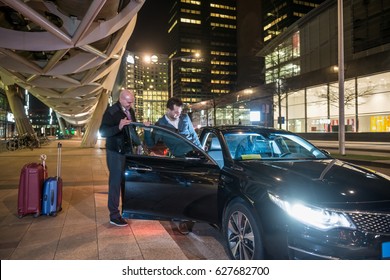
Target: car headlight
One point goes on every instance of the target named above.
(318, 218)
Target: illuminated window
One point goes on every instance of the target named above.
(275, 22)
(217, 15)
(229, 26)
(283, 61)
(306, 3)
(188, 11)
(191, 80)
(213, 5)
(296, 14)
(191, 2)
(189, 20)
(173, 25)
(222, 53)
(190, 70)
(219, 62)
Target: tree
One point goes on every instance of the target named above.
(351, 95)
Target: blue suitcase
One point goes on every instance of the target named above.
(49, 197)
(52, 191)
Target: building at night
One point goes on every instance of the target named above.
(302, 65)
(301, 74)
(7, 122)
(147, 75)
(208, 29)
(278, 15)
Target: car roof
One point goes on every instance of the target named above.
(245, 128)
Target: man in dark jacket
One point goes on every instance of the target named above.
(181, 123)
(177, 122)
(118, 142)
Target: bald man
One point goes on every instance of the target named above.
(118, 143)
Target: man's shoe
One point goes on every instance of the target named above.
(119, 222)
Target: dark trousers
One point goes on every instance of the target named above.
(116, 184)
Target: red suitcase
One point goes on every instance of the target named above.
(31, 181)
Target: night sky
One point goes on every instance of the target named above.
(36, 106)
(150, 31)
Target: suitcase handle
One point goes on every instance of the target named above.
(59, 147)
(43, 158)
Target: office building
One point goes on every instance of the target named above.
(207, 28)
(278, 15)
(147, 75)
(7, 122)
(302, 65)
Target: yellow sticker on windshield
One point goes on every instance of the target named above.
(251, 156)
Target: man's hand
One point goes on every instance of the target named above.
(123, 122)
(139, 150)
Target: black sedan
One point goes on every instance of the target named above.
(272, 194)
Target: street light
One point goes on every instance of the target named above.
(195, 55)
(340, 17)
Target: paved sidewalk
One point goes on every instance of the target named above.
(81, 230)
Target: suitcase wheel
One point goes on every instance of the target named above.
(36, 215)
(20, 216)
(53, 214)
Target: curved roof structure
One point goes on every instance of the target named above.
(66, 53)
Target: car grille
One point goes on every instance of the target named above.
(371, 222)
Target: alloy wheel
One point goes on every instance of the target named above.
(240, 236)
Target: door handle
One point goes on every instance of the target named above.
(140, 168)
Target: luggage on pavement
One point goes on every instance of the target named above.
(31, 181)
(52, 190)
(49, 197)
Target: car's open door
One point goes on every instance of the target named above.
(170, 179)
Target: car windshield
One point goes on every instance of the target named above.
(250, 145)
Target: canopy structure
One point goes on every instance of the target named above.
(67, 53)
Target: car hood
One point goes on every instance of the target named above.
(322, 182)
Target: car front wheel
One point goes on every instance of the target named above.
(241, 232)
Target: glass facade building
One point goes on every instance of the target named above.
(316, 109)
(278, 15)
(147, 76)
(302, 66)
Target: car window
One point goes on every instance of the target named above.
(213, 148)
(248, 146)
(161, 142)
(232, 141)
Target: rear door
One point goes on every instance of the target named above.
(170, 179)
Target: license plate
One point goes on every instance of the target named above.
(386, 250)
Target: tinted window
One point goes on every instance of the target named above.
(161, 142)
(245, 146)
